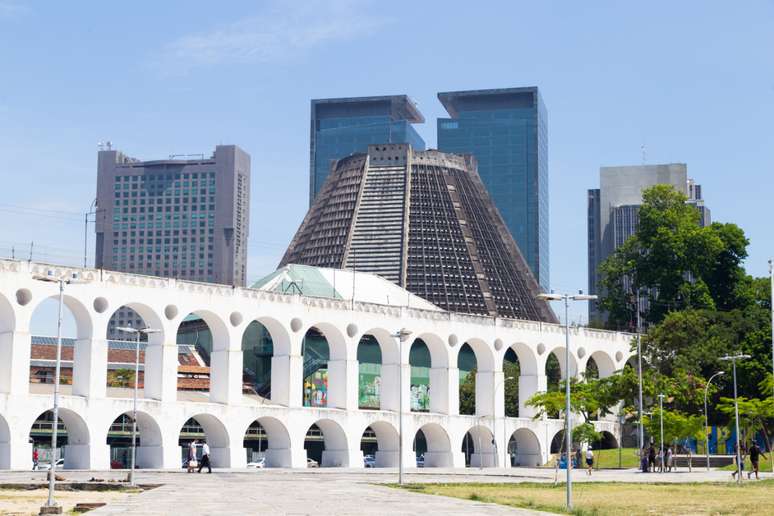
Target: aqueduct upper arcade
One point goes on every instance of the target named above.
(89, 408)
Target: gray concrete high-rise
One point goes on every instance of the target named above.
(613, 210)
(180, 218)
(507, 131)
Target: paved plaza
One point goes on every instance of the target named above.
(330, 491)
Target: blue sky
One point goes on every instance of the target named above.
(693, 81)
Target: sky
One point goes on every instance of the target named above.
(691, 81)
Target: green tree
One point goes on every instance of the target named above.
(468, 394)
(679, 263)
(677, 426)
(754, 415)
(121, 378)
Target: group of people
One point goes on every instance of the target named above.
(578, 455)
(192, 460)
(755, 453)
(661, 460)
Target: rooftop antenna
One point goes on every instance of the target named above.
(644, 154)
(109, 145)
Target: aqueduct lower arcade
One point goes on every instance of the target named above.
(227, 416)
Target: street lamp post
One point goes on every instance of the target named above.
(639, 371)
(733, 359)
(661, 416)
(567, 415)
(706, 416)
(61, 281)
(771, 277)
(494, 420)
(401, 335)
(136, 332)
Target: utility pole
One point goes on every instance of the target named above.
(639, 370)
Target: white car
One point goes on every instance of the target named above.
(259, 464)
(45, 466)
(311, 463)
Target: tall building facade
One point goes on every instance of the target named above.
(507, 131)
(613, 210)
(181, 218)
(344, 126)
(423, 220)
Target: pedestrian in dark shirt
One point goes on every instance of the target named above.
(652, 458)
(755, 455)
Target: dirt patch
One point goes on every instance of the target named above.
(26, 499)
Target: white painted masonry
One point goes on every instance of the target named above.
(163, 303)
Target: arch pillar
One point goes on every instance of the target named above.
(160, 380)
(490, 394)
(87, 456)
(15, 347)
(529, 385)
(343, 384)
(445, 390)
(16, 453)
(90, 359)
(286, 376)
(396, 383)
(226, 372)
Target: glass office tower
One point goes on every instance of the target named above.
(506, 130)
(341, 127)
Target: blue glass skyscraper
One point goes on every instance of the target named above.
(507, 131)
(344, 126)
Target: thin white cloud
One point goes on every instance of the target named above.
(12, 9)
(281, 30)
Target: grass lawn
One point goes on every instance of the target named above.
(613, 498)
(606, 459)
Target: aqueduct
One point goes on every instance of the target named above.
(89, 408)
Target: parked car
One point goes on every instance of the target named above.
(421, 461)
(369, 461)
(259, 464)
(311, 463)
(45, 466)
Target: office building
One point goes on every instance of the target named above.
(423, 220)
(613, 210)
(507, 131)
(344, 126)
(180, 218)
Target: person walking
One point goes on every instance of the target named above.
(205, 458)
(35, 458)
(589, 460)
(755, 455)
(192, 456)
(669, 457)
(652, 458)
(741, 464)
(578, 457)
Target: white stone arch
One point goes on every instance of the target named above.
(77, 450)
(7, 315)
(604, 361)
(439, 451)
(484, 449)
(278, 451)
(387, 442)
(216, 325)
(150, 316)
(216, 435)
(337, 342)
(150, 439)
(5, 444)
(84, 323)
(488, 375)
(280, 336)
(532, 374)
(486, 360)
(528, 359)
(336, 452)
(559, 352)
(387, 344)
(524, 449)
(440, 357)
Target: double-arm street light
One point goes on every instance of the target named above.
(706, 415)
(50, 277)
(401, 335)
(733, 359)
(136, 332)
(567, 414)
